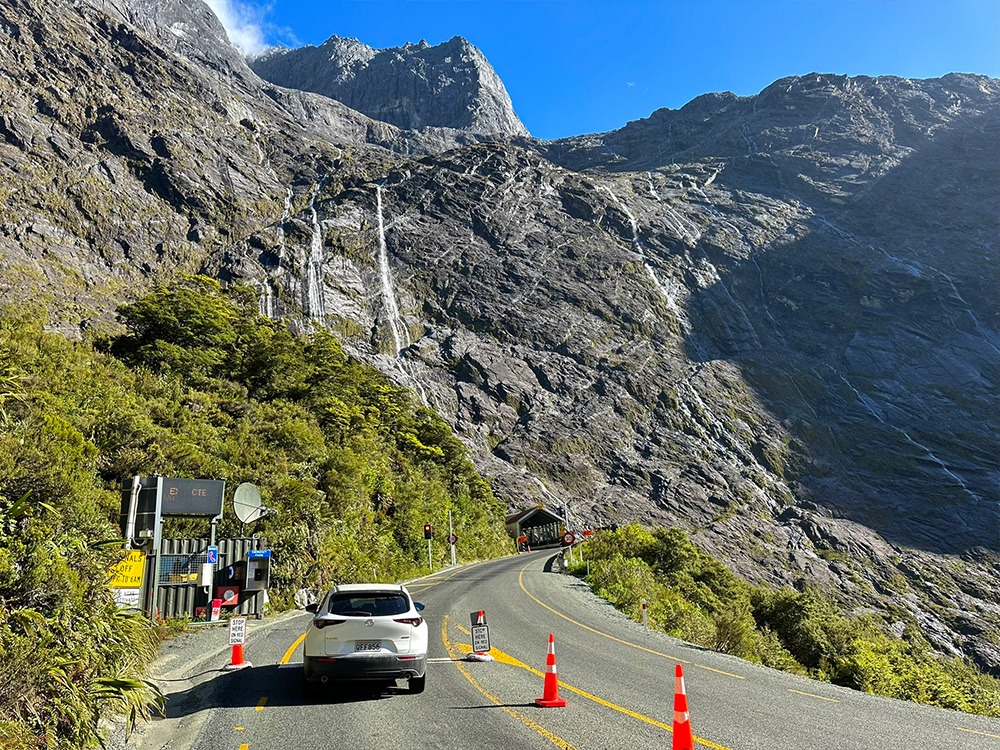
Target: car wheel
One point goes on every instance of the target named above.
(417, 684)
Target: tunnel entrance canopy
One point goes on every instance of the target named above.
(538, 526)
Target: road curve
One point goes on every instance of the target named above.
(616, 678)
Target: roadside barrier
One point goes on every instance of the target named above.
(550, 690)
(683, 739)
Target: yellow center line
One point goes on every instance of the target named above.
(261, 703)
(973, 731)
(291, 649)
(505, 658)
(812, 695)
(520, 580)
(553, 738)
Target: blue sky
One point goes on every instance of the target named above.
(587, 66)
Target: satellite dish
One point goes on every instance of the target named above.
(246, 503)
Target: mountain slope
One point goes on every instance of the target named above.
(769, 320)
(450, 85)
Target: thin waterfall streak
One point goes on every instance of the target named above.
(670, 293)
(400, 338)
(875, 412)
(314, 267)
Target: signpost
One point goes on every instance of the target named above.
(127, 574)
(237, 631)
(150, 500)
(126, 579)
(237, 636)
(480, 637)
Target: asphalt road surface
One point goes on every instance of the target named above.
(616, 677)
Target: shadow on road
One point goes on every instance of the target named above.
(494, 705)
(281, 686)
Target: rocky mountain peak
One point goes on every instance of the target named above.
(450, 85)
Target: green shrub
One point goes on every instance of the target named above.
(198, 385)
(693, 596)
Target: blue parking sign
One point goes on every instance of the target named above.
(213, 555)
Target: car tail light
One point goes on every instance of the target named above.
(323, 623)
(414, 621)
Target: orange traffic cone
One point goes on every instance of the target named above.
(550, 693)
(237, 662)
(683, 740)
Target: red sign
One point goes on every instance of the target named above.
(452, 539)
(568, 538)
(587, 532)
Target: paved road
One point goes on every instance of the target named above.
(616, 677)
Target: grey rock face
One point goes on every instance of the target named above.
(450, 85)
(770, 320)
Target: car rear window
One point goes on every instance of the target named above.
(368, 603)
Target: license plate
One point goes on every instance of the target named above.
(368, 646)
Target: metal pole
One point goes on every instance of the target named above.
(430, 562)
(133, 506)
(451, 534)
(157, 539)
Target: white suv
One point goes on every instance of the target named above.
(366, 631)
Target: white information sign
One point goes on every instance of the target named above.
(127, 598)
(480, 638)
(237, 631)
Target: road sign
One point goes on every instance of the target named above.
(127, 598)
(213, 555)
(452, 539)
(192, 497)
(237, 631)
(480, 638)
(127, 574)
(568, 538)
(477, 618)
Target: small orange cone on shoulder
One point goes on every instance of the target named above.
(237, 661)
(683, 739)
(550, 690)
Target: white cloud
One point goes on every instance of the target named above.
(242, 24)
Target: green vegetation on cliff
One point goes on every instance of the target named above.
(199, 385)
(691, 595)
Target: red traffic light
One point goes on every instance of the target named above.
(428, 531)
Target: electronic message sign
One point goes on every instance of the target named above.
(191, 497)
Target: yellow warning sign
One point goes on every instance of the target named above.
(128, 573)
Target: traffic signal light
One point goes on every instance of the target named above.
(428, 531)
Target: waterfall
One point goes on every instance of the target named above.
(400, 337)
(669, 293)
(314, 265)
(397, 327)
(266, 299)
(873, 409)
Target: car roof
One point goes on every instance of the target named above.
(347, 587)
